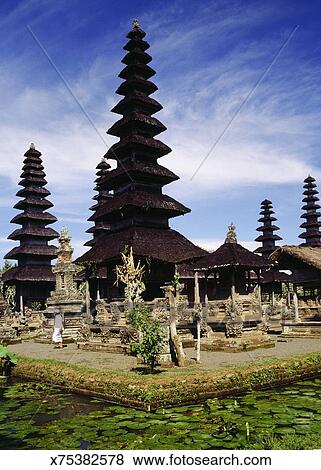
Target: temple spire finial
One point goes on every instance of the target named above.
(231, 234)
(32, 146)
(136, 24)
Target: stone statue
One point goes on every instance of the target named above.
(231, 234)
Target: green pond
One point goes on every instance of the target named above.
(36, 416)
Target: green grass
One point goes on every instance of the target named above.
(154, 390)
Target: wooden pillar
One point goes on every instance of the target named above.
(289, 299)
(98, 290)
(198, 343)
(196, 289)
(296, 307)
(206, 296)
(233, 287)
(87, 298)
(21, 304)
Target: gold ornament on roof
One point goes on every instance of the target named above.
(135, 24)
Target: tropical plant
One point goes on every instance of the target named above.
(7, 361)
(131, 276)
(7, 265)
(10, 296)
(36, 306)
(151, 340)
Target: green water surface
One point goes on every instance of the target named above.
(36, 416)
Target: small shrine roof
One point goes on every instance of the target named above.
(230, 254)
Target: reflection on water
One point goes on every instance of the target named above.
(37, 416)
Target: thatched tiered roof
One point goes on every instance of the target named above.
(33, 254)
(267, 227)
(138, 214)
(311, 206)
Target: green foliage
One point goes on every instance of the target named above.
(125, 250)
(7, 361)
(37, 306)
(148, 261)
(175, 280)
(90, 268)
(150, 344)
(7, 265)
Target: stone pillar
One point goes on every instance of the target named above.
(196, 289)
(165, 357)
(273, 299)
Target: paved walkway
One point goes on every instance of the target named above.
(210, 360)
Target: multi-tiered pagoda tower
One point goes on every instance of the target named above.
(138, 214)
(100, 198)
(312, 234)
(33, 275)
(267, 227)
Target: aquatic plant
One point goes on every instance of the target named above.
(41, 417)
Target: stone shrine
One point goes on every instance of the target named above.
(66, 298)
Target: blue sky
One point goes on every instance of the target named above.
(208, 55)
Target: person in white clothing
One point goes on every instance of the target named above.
(58, 329)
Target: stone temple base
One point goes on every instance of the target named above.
(116, 348)
(302, 329)
(247, 342)
(6, 341)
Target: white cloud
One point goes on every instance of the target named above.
(211, 244)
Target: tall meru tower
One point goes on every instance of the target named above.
(138, 214)
(32, 277)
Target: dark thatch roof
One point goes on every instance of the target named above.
(41, 232)
(134, 120)
(141, 199)
(29, 273)
(161, 244)
(138, 143)
(138, 167)
(133, 101)
(230, 254)
(273, 275)
(186, 271)
(49, 251)
(288, 254)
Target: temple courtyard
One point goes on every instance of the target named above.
(209, 360)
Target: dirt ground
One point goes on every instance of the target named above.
(209, 360)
